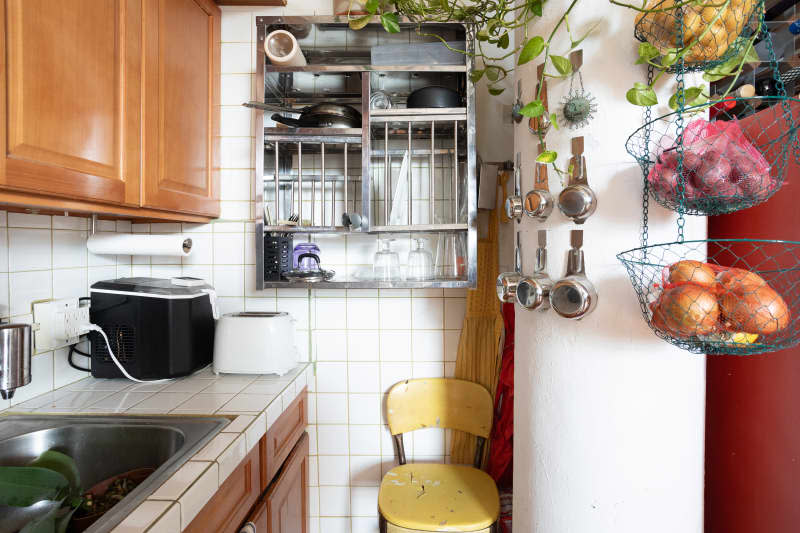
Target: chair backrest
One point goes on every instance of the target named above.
(441, 403)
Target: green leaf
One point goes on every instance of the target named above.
(562, 64)
(751, 55)
(536, 7)
(494, 90)
(492, 73)
(360, 22)
(554, 120)
(532, 49)
(692, 95)
(22, 486)
(476, 75)
(504, 41)
(61, 463)
(647, 52)
(390, 22)
(533, 109)
(641, 94)
(482, 35)
(372, 6)
(670, 58)
(548, 156)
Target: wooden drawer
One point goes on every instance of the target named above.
(282, 436)
(233, 500)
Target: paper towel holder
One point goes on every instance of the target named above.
(186, 246)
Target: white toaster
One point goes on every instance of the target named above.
(255, 343)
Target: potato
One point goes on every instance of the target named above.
(713, 173)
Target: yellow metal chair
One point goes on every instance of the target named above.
(438, 497)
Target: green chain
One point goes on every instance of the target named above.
(679, 130)
(648, 128)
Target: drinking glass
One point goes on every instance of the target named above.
(386, 266)
(451, 256)
(420, 262)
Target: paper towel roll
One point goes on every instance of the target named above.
(127, 244)
(282, 49)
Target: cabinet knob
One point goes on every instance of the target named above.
(249, 527)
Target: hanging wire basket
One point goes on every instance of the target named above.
(726, 163)
(715, 32)
(723, 296)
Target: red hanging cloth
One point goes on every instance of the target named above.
(501, 448)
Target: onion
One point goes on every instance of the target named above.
(739, 280)
(688, 271)
(686, 310)
(762, 311)
(712, 174)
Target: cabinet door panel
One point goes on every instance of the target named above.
(287, 498)
(71, 98)
(181, 110)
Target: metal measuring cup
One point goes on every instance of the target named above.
(574, 296)
(533, 292)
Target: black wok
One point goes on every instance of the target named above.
(323, 116)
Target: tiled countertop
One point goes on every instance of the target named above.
(252, 402)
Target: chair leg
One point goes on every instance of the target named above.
(381, 523)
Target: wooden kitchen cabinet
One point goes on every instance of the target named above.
(181, 93)
(284, 507)
(111, 107)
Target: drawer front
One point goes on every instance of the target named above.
(287, 498)
(228, 508)
(282, 436)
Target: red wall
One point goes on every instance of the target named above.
(753, 403)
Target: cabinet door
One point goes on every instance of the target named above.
(287, 498)
(181, 140)
(70, 98)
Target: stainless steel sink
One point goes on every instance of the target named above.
(102, 447)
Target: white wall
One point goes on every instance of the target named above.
(608, 418)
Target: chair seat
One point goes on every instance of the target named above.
(438, 497)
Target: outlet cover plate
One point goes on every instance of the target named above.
(49, 316)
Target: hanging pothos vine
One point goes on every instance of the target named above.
(711, 30)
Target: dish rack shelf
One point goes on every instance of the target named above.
(406, 173)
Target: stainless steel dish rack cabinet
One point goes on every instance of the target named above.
(424, 159)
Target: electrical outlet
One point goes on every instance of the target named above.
(57, 323)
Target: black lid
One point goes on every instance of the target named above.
(150, 286)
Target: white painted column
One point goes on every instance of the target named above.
(609, 419)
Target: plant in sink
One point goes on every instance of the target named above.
(48, 497)
(45, 494)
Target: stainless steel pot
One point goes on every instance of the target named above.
(533, 292)
(577, 200)
(514, 206)
(507, 281)
(574, 296)
(539, 202)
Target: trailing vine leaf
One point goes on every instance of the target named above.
(504, 41)
(360, 22)
(390, 22)
(536, 7)
(482, 35)
(492, 73)
(554, 120)
(647, 52)
(494, 90)
(531, 50)
(476, 75)
(562, 64)
(533, 109)
(641, 94)
(372, 6)
(693, 96)
(548, 156)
